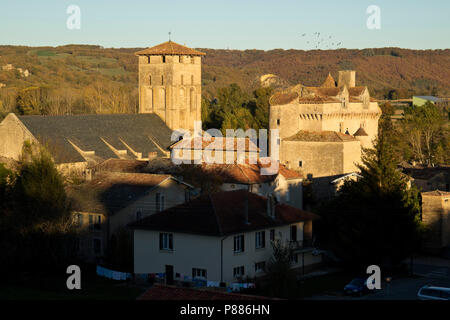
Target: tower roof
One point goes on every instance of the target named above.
(329, 82)
(360, 132)
(169, 48)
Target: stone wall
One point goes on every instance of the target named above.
(170, 86)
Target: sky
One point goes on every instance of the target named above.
(229, 24)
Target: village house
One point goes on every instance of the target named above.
(428, 178)
(436, 218)
(111, 200)
(223, 237)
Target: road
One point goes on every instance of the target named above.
(426, 271)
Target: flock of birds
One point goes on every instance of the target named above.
(324, 42)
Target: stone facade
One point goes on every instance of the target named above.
(323, 129)
(436, 217)
(170, 84)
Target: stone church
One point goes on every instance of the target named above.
(323, 129)
(169, 99)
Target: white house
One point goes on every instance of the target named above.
(223, 237)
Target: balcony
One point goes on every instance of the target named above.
(300, 245)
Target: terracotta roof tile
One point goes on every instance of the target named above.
(170, 48)
(329, 82)
(323, 136)
(360, 132)
(109, 192)
(222, 213)
(214, 143)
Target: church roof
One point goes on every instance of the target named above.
(322, 136)
(143, 133)
(360, 132)
(329, 82)
(169, 48)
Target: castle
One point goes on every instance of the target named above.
(323, 129)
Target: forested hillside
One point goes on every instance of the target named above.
(90, 79)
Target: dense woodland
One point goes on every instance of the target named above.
(76, 79)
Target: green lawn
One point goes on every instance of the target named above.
(92, 288)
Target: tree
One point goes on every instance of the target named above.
(376, 219)
(424, 128)
(281, 277)
(36, 232)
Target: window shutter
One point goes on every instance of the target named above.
(160, 241)
(264, 239)
(171, 241)
(242, 243)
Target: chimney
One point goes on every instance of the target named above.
(348, 78)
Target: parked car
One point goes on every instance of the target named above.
(433, 293)
(357, 287)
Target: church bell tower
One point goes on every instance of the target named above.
(170, 84)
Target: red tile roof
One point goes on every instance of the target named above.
(112, 191)
(164, 292)
(170, 48)
(222, 213)
(247, 173)
(121, 165)
(322, 136)
(214, 143)
(360, 132)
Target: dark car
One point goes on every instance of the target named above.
(357, 287)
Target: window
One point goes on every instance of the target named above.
(294, 258)
(260, 239)
(79, 220)
(199, 273)
(278, 121)
(300, 163)
(97, 246)
(165, 241)
(162, 80)
(272, 235)
(164, 59)
(239, 243)
(260, 266)
(238, 272)
(294, 233)
(95, 222)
